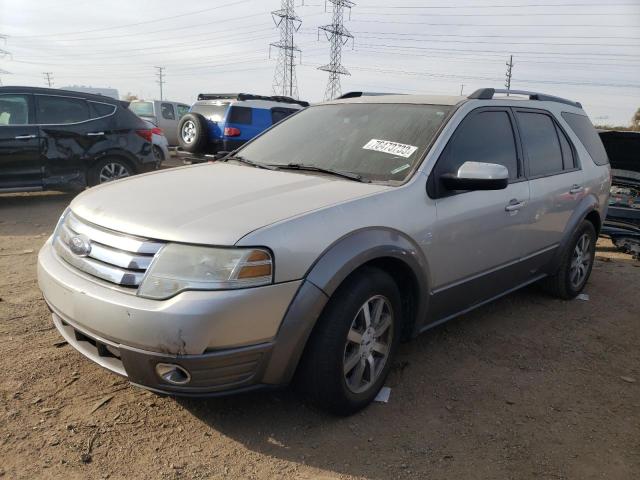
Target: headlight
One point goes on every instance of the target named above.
(186, 267)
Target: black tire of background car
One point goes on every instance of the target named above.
(93, 175)
(200, 142)
(320, 376)
(158, 153)
(559, 285)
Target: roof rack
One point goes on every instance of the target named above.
(365, 94)
(250, 96)
(488, 93)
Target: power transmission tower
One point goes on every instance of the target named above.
(161, 81)
(284, 78)
(507, 83)
(48, 77)
(461, 88)
(338, 36)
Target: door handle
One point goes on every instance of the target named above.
(514, 205)
(24, 137)
(575, 188)
(95, 134)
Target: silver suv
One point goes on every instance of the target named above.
(309, 253)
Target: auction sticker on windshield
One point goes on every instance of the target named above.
(392, 148)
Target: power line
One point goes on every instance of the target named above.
(338, 36)
(522, 5)
(172, 17)
(160, 80)
(48, 77)
(284, 77)
(494, 25)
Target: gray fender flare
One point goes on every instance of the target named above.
(322, 279)
(587, 205)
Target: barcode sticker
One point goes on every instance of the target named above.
(392, 148)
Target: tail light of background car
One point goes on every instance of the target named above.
(157, 131)
(231, 132)
(146, 134)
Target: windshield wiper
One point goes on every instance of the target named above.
(246, 161)
(313, 168)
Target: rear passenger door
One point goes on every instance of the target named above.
(168, 122)
(74, 131)
(555, 180)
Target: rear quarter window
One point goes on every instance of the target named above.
(242, 115)
(586, 133)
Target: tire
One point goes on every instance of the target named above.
(327, 375)
(109, 169)
(192, 133)
(575, 265)
(158, 154)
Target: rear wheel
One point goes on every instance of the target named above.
(192, 133)
(107, 170)
(158, 153)
(576, 264)
(349, 354)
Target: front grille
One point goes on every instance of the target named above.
(114, 257)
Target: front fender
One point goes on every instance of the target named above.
(323, 278)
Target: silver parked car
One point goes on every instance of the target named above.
(308, 257)
(163, 114)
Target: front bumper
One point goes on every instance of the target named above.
(226, 340)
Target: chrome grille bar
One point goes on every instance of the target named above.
(114, 257)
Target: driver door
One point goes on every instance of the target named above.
(477, 237)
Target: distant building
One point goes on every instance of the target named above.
(107, 92)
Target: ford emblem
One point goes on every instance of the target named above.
(80, 245)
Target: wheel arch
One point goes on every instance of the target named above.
(383, 248)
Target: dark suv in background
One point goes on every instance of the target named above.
(61, 140)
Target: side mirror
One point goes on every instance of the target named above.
(477, 176)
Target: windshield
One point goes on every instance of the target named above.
(380, 142)
(142, 109)
(212, 111)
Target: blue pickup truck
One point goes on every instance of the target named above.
(224, 121)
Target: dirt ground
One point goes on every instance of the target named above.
(528, 387)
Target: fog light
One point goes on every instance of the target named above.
(172, 373)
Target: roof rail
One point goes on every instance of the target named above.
(488, 93)
(250, 96)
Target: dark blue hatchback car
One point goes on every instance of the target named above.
(224, 121)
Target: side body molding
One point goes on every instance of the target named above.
(337, 262)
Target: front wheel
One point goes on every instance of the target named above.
(350, 352)
(576, 264)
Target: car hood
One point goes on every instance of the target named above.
(211, 204)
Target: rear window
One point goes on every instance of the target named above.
(52, 110)
(214, 112)
(101, 109)
(541, 143)
(242, 115)
(142, 109)
(584, 130)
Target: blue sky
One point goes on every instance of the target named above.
(581, 49)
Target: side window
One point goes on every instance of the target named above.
(242, 115)
(167, 111)
(568, 161)
(485, 137)
(14, 110)
(101, 109)
(60, 110)
(279, 113)
(182, 110)
(541, 144)
(584, 130)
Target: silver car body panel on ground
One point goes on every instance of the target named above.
(455, 252)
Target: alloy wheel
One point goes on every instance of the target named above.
(189, 131)
(113, 171)
(368, 344)
(580, 261)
